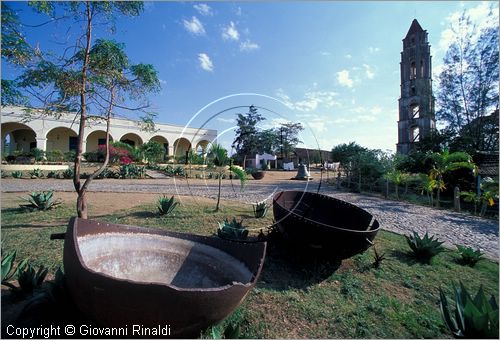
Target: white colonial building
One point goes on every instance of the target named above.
(50, 133)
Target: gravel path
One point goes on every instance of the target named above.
(399, 217)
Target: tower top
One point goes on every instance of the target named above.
(414, 28)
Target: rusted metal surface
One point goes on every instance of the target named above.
(328, 225)
(123, 275)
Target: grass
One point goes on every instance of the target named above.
(296, 297)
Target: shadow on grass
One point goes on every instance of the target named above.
(286, 267)
(61, 223)
(404, 257)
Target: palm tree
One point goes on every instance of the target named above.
(445, 162)
(427, 185)
(219, 158)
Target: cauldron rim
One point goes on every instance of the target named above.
(143, 230)
(308, 220)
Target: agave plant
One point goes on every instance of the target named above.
(474, 318)
(377, 258)
(260, 209)
(8, 271)
(424, 249)
(52, 174)
(41, 201)
(68, 173)
(166, 205)
(233, 230)
(469, 255)
(17, 174)
(29, 278)
(36, 173)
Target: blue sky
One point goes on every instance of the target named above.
(334, 66)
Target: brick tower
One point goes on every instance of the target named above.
(416, 104)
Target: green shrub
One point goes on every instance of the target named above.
(166, 205)
(424, 249)
(39, 154)
(153, 151)
(3, 174)
(68, 173)
(69, 156)
(41, 201)
(17, 174)
(54, 156)
(36, 173)
(260, 209)
(473, 318)
(233, 230)
(469, 255)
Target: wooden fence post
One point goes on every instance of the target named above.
(456, 199)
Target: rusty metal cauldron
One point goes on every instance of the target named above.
(124, 275)
(332, 226)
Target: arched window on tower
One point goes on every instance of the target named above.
(414, 111)
(413, 70)
(422, 68)
(415, 134)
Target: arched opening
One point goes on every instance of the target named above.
(96, 138)
(62, 139)
(413, 70)
(163, 141)
(181, 145)
(414, 111)
(415, 134)
(132, 139)
(201, 147)
(422, 68)
(17, 138)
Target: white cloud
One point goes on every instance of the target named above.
(162, 81)
(194, 26)
(226, 120)
(203, 9)
(479, 16)
(311, 101)
(205, 62)
(230, 32)
(348, 56)
(343, 78)
(238, 11)
(325, 53)
(248, 46)
(373, 49)
(376, 110)
(368, 71)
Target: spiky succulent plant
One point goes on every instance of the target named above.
(424, 248)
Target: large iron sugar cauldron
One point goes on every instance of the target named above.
(324, 224)
(124, 275)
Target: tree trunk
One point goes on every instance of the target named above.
(81, 205)
(438, 197)
(397, 191)
(244, 161)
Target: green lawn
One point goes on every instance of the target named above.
(295, 297)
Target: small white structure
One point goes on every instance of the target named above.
(259, 159)
(332, 166)
(60, 133)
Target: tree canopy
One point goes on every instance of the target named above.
(468, 88)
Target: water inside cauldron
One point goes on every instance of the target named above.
(161, 259)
